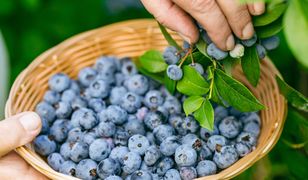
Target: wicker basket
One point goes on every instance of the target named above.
(131, 39)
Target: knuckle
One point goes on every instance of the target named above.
(202, 5)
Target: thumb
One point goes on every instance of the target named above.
(18, 130)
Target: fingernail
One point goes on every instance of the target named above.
(248, 31)
(30, 121)
(187, 39)
(258, 8)
(230, 42)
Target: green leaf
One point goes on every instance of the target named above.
(296, 99)
(201, 46)
(216, 97)
(192, 103)
(272, 13)
(192, 83)
(199, 58)
(205, 115)
(269, 30)
(168, 37)
(229, 63)
(251, 65)
(159, 77)
(235, 93)
(296, 28)
(169, 84)
(153, 61)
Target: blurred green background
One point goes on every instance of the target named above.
(30, 27)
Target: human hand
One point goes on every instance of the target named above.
(14, 132)
(219, 18)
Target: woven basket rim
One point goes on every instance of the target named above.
(61, 46)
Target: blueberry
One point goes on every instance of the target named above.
(44, 145)
(65, 150)
(215, 52)
(63, 110)
(145, 167)
(68, 167)
(113, 177)
(225, 157)
(137, 83)
(251, 117)
(216, 141)
(131, 102)
(150, 137)
(118, 153)
(46, 111)
(188, 173)
(59, 130)
(237, 51)
(97, 104)
(172, 174)
(270, 43)
(131, 162)
(141, 175)
(121, 137)
(99, 89)
(79, 151)
(192, 141)
(242, 149)
(205, 168)
(152, 154)
(206, 37)
(185, 156)
(153, 99)
(108, 167)
(153, 119)
(177, 122)
(190, 124)
(172, 105)
(59, 82)
(247, 138)
(51, 97)
(250, 42)
(128, 68)
(220, 113)
(103, 116)
(164, 165)
(68, 95)
(55, 161)
(261, 51)
(86, 76)
(116, 114)
(163, 131)
(78, 103)
(116, 95)
(89, 137)
(85, 118)
(230, 127)
(75, 86)
(106, 64)
(106, 129)
(107, 77)
(86, 169)
(138, 143)
(134, 126)
(45, 126)
(205, 133)
(99, 150)
(174, 72)
(75, 135)
(198, 67)
(204, 153)
(171, 55)
(119, 79)
(169, 145)
(253, 128)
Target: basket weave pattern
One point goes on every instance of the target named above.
(131, 39)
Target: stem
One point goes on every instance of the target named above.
(185, 57)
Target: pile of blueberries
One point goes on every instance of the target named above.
(113, 123)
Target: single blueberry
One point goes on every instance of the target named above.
(163, 131)
(55, 161)
(171, 55)
(128, 68)
(86, 76)
(169, 145)
(59, 82)
(134, 126)
(153, 99)
(108, 167)
(138, 143)
(116, 114)
(153, 119)
(116, 95)
(185, 156)
(173, 105)
(106, 64)
(177, 122)
(261, 51)
(121, 137)
(44, 145)
(99, 150)
(106, 129)
(99, 89)
(205, 134)
(216, 141)
(190, 124)
(68, 167)
(68, 95)
(46, 111)
(172, 174)
(242, 149)
(131, 162)
(85, 118)
(75, 135)
(204, 153)
(192, 141)
(270, 43)
(253, 128)
(131, 102)
(230, 127)
(59, 130)
(65, 150)
(89, 137)
(225, 157)
(63, 109)
(86, 169)
(79, 151)
(51, 97)
(174, 72)
(188, 173)
(247, 138)
(215, 52)
(250, 42)
(152, 154)
(118, 153)
(164, 165)
(198, 67)
(205, 168)
(137, 83)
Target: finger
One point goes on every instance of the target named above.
(238, 17)
(173, 17)
(209, 15)
(12, 166)
(256, 8)
(18, 130)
